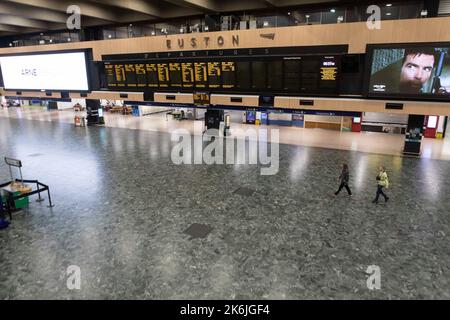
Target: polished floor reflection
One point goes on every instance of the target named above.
(122, 208)
(370, 142)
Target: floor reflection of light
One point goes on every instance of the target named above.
(299, 164)
(168, 261)
(354, 145)
(116, 142)
(431, 178)
(130, 145)
(154, 149)
(427, 152)
(77, 171)
(103, 138)
(222, 274)
(446, 147)
(397, 163)
(360, 172)
(165, 146)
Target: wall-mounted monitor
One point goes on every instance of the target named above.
(46, 71)
(409, 71)
(432, 122)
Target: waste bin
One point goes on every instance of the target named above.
(80, 121)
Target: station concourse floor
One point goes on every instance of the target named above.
(122, 207)
(370, 142)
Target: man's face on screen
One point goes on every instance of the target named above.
(416, 71)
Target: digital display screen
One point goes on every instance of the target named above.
(151, 70)
(53, 71)
(309, 74)
(432, 122)
(417, 71)
(187, 73)
(292, 74)
(214, 74)
(175, 74)
(258, 75)
(243, 74)
(201, 76)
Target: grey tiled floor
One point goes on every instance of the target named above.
(122, 208)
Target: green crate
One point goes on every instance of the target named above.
(22, 202)
(19, 203)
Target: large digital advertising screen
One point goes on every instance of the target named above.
(410, 71)
(53, 71)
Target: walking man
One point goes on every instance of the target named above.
(383, 182)
(344, 178)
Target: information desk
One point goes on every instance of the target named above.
(15, 200)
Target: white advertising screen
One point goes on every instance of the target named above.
(55, 71)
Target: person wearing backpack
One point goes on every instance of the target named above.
(383, 182)
(344, 178)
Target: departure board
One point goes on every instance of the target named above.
(151, 70)
(274, 75)
(259, 75)
(291, 75)
(110, 77)
(243, 74)
(120, 75)
(295, 74)
(201, 75)
(228, 74)
(328, 73)
(201, 98)
(141, 75)
(214, 74)
(130, 75)
(187, 74)
(175, 74)
(163, 75)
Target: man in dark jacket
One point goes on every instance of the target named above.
(344, 178)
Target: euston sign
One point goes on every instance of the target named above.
(193, 42)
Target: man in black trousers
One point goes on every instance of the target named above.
(344, 178)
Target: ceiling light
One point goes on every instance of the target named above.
(389, 5)
(289, 13)
(388, 13)
(333, 10)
